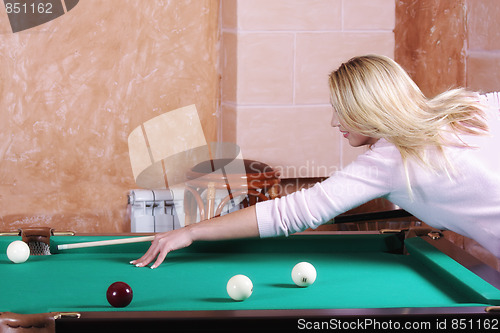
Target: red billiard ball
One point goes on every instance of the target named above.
(119, 294)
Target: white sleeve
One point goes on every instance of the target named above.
(367, 178)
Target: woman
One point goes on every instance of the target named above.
(436, 158)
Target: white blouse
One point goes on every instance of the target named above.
(467, 201)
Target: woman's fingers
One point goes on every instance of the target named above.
(162, 244)
(159, 259)
(145, 259)
(149, 256)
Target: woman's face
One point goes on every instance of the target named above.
(355, 139)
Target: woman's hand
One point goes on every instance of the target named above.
(240, 224)
(162, 244)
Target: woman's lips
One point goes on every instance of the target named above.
(345, 134)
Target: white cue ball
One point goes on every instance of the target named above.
(18, 251)
(239, 287)
(303, 274)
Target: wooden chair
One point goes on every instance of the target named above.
(246, 180)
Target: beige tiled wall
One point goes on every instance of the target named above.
(275, 59)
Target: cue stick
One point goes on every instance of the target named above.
(105, 242)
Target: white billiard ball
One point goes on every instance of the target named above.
(239, 287)
(303, 274)
(18, 251)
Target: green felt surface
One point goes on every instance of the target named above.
(353, 272)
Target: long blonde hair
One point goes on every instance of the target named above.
(374, 96)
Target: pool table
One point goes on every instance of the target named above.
(359, 275)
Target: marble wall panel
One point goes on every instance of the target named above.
(72, 90)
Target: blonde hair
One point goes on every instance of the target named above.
(374, 96)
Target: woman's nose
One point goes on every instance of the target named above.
(335, 120)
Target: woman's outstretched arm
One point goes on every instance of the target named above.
(240, 224)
